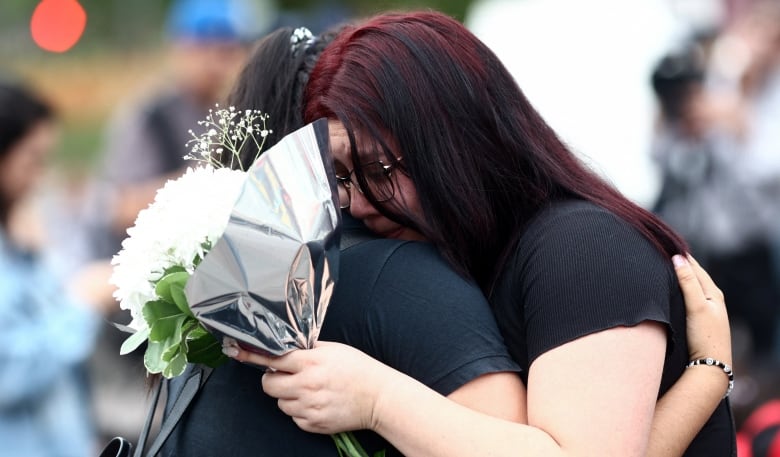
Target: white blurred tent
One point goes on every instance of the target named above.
(585, 65)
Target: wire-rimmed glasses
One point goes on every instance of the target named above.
(378, 177)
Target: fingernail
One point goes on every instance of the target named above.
(230, 351)
(679, 261)
(227, 341)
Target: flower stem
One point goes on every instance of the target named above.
(348, 445)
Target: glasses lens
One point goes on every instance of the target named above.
(342, 184)
(344, 199)
(379, 181)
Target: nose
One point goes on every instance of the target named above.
(359, 206)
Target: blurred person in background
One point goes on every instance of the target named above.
(47, 332)
(721, 178)
(145, 145)
(747, 64)
(709, 195)
(745, 68)
(146, 142)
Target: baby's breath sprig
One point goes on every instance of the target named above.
(228, 130)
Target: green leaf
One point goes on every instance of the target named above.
(189, 326)
(173, 269)
(206, 350)
(171, 351)
(198, 332)
(133, 341)
(153, 357)
(198, 259)
(176, 366)
(168, 327)
(186, 330)
(158, 309)
(177, 293)
(163, 288)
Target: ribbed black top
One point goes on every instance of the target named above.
(579, 269)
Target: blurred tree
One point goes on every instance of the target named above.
(120, 46)
(455, 8)
(132, 24)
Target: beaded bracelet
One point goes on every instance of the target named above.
(716, 363)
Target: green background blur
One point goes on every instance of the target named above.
(121, 50)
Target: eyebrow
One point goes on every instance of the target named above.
(373, 153)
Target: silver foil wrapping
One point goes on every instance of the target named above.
(268, 280)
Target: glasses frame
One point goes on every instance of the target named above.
(348, 183)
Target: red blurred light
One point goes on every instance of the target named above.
(57, 25)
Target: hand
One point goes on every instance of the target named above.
(707, 322)
(329, 389)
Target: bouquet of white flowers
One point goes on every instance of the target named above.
(169, 239)
(248, 255)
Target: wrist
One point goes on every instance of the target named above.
(380, 394)
(388, 393)
(719, 372)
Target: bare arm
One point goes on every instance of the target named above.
(686, 407)
(419, 422)
(500, 395)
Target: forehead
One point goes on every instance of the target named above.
(368, 147)
(339, 142)
(337, 133)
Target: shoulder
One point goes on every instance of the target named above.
(579, 269)
(401, 303)
(414, 269)
(573, 234)
(17, 269)
(569, 217)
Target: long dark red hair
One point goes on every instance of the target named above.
(482, 159)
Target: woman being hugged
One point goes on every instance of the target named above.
(432, 139)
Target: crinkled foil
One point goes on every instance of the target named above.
(268, 280)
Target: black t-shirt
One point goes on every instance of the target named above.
(397, 301)
(578, 269)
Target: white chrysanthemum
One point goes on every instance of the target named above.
(187, 213)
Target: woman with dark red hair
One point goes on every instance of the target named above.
(433, 140)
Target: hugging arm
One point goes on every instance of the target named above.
(363, 393)
(421, 318)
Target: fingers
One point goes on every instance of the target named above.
(706, 318)
(708, 285)
(291, 362)
(281, 385)
(303, 410)
(692, 289)
(234, 352)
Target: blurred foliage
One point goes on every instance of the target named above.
(121, 53)
(455, 8)
(124, 23)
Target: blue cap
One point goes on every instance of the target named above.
(213, 20)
